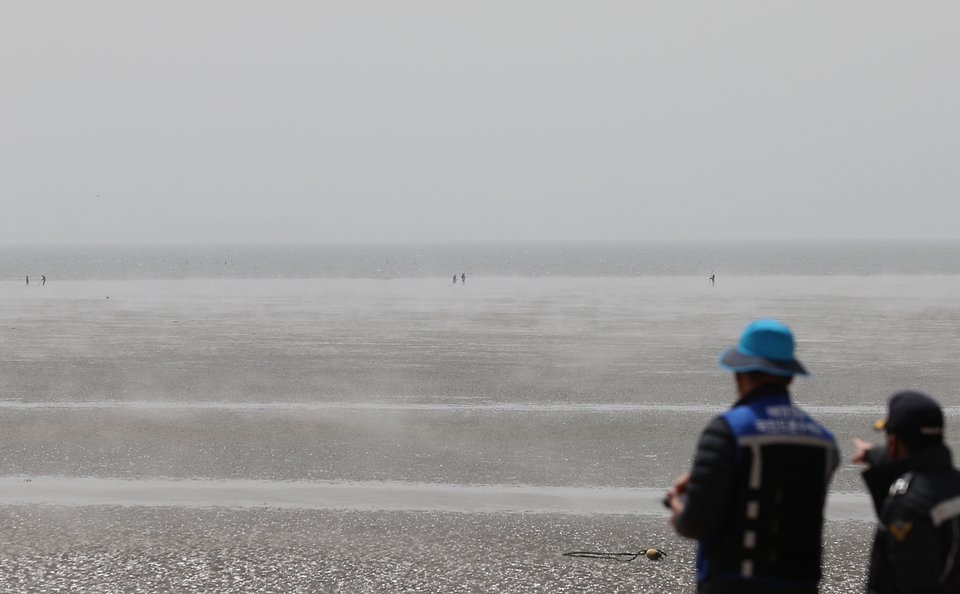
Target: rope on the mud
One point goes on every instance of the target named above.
(652, 554)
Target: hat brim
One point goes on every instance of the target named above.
(737, 362)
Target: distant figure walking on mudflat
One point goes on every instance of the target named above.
(463, 277)
(43, 280)
(28, 280)
(711, 279)
(454, 279)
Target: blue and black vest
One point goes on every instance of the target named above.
(784, 461)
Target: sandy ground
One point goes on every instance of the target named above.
(541, 445)
(122, 549)
(360, 436)
(361, 496)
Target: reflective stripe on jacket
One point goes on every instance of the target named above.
(756, 493)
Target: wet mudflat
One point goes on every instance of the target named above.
(585, 385)
(136, 549)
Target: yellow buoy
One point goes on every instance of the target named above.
(655, 554)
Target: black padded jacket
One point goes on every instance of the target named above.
(917, 544)
(715, 487)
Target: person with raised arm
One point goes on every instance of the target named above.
(916, 494)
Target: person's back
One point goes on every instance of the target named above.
(784, 467)
(916, 491)
(923, 519)
(766, 526)
(755, 495)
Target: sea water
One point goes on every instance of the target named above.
(289, 418)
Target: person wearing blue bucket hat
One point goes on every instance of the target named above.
(755, 495)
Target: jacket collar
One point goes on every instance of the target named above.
(883, 471)
(928, 459)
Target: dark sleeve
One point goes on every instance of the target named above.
(880, 475)
(710, 489)
(913, 550)
(876, 456)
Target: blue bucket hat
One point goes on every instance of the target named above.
(766, 345)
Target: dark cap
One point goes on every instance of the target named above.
(914, 415)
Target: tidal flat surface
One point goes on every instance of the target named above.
(164, 549)
(586, 386)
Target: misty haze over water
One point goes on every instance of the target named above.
(394, 260)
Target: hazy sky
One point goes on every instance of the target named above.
(349, 120)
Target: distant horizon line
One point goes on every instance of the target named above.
(4, 245)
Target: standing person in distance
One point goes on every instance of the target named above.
(916, 493)
(755, 495)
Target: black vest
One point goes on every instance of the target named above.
(784, 463)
